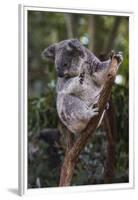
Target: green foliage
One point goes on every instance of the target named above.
(45, 158)
(42, 111)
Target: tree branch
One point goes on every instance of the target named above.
(72, 155)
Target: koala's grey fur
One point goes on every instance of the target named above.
(81, 76)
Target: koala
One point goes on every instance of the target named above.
(81, 76)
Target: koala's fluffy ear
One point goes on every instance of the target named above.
(75, 44)
(49, 52)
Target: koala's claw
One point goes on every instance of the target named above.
(119, 57)
(95, 111)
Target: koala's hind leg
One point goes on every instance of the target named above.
(76, 107)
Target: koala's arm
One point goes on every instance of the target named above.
(96, 65)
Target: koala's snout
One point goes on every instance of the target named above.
(59, 72)
(62, 69)
(62, 73)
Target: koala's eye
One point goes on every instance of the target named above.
(65, 65)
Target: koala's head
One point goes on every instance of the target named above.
(67, 56)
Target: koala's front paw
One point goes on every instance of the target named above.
(119, 57)
(95, 111)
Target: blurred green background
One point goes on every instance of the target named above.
(46, 135)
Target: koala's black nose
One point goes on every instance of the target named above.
(60, 74)
(59, 71)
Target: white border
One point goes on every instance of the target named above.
(23, 104)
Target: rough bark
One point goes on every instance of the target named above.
(110, 127)
(73, 153)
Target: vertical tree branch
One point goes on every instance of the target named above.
(70, 141)
(110, 127)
